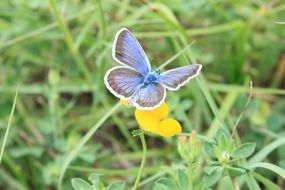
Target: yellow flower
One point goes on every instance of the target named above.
(155, 121)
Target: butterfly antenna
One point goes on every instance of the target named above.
(176, 55)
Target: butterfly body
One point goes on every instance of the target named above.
(151, 77)
(135, 81)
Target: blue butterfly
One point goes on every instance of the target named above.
(135, 81)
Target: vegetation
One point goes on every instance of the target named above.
(60, 128)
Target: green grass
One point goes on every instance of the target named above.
(4, 141)
(67, 125)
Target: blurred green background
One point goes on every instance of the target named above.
(58, 52)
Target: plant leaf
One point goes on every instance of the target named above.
(95, 179)
(165, 184)
(209, 149)
(117, 185)
(80, 184)
(137, 132)
(210, 169)
(183, 181)
(222, 131)
(244, 151)
(214, 177)
(236, 171)
(223, 142)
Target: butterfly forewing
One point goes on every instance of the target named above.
(150, 96)
(128, 51)
(175, 78)
(123, 81)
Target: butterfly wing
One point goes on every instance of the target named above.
(122, 82)
(150, 96)
(175, 78)
(128, 51)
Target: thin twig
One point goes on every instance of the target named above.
(176, 55)
(244, 109)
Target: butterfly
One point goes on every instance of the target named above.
(135, 81)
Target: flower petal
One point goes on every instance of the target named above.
(169, 127)
(159, 113)
(147, 121)
(153, 121)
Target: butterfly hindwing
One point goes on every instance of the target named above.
(175, 78)
(150, 96)
(127, 51)
(123, 81)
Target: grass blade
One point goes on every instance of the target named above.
(276, 169)
(9, 125)
(266, 150)
(266, 182)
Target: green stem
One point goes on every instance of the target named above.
(190, 175)
(141, 135)
(235, 183)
